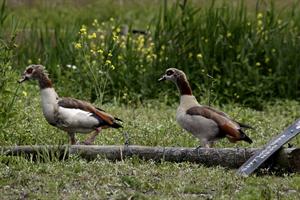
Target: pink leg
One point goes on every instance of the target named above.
(90, 140)
(72, 138)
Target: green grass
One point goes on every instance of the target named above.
(153, 124)
(252, 55)
(131, 178)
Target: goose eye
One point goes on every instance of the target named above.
(29, 70)
(169, 73)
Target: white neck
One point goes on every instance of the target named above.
(49, 103)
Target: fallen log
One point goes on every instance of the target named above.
(284, 159)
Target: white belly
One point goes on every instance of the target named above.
(76, 120)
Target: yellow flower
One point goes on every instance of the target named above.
(259, 22)
(115, 36)
(112, 67)
(199, 56)
(24, 93)
(259, 15)
(123, 45)
(77, 45)
(228, 34)
(83, 30)
(108, 62)
(92, 36)
(258, 64)
(149, 58)
(95, 22)
(100, 51)
(109, 54)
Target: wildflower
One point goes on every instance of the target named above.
(29, 61)
(77, 45)
(107, 62)
(109, 54)
(248, 23)
(112, 67)
(228, 34)
(92, 51)
(258, 64)
(122, 45)
(267, 59)
(199, 56)
(102, 37)
(92, 36)
(83, 30)
(279, 21)
(273, 50)
(120, 57)
(71, 66)
(115, 36)
(149, 58)
(190, 55)
(259, 15)
(100, 51)
(259, 23)
(95, 22)
(24, 93)
(111, 19)
(118, 30)
(206, 40)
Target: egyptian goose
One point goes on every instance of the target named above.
(204, 122)
(68, 114)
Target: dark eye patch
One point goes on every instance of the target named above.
(169, 72)
(29, 70)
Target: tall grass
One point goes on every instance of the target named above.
(228, 52)
(7, 72)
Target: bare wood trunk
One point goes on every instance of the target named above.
(285, 159)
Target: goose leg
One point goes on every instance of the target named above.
(207, 144)
(127, 140)
(72, 138)
(90, 140)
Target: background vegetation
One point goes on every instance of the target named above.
(240, 56)
(234, 52)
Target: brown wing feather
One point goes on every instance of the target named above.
(227, 116)
(86, 106)
(227, 126)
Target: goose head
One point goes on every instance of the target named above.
(32, 72)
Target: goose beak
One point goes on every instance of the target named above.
(23, 78)
(163, 78)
